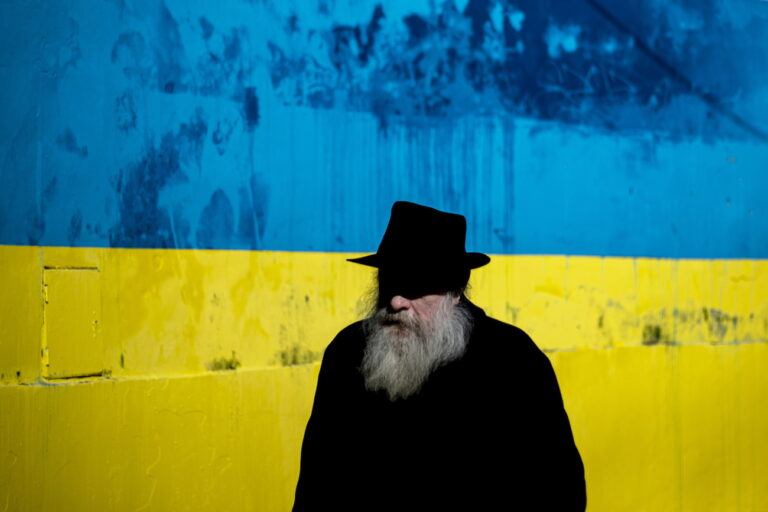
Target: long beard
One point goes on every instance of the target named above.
(402, 351)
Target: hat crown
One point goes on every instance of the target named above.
(420, 233)
(424, 240)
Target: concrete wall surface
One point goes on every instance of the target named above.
(182, 182)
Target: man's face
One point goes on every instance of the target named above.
(409, 337)
(422, 308)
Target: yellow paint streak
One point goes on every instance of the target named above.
(661, 363)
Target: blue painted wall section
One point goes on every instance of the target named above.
(630, 129)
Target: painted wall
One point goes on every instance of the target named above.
(182, 182)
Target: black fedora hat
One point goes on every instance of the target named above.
(424, 242)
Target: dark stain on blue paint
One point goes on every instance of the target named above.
(206, 27)
(216, 225)
(49, 192)
(292, 24)
(95, 230)
(320, 96)
(281, 67)
(119, 4)
(191, 137)
(142, 222)
(303, 80)
(168, 54)
(157, 64)
(221, 134)
(125, 112)
(246, 229)
(75, 227)
(253, 213)
(549, 60)
(417, 28)
(232, 46)
(355, 40)
(181, 228)
(223, 68)
(131, 53)
(370, 32)
(250, 109)
(35, 227)
(157, 59)
(68, 142)
(478, 12)
(59, 58)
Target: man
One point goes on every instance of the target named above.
(429, 404)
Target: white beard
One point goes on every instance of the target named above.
(402, 351)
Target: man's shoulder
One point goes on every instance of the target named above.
(350, 334)
(501, 327)
(506, 340)
(349, 342)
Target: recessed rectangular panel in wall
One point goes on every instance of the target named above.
(72, 343)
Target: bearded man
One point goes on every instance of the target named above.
(429, 404)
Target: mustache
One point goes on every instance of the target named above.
(385, 318)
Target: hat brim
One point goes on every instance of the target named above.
(470, 260)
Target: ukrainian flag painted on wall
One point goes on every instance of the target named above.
(181, 186)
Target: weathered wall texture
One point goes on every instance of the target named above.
(181, 183)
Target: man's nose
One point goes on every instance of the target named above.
(399, 303)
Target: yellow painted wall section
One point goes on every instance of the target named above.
(224, 441)
(202, 367)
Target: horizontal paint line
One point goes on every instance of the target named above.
(353, 254)
(53, 267)
(105, 379)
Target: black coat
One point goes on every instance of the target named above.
(487, 431)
